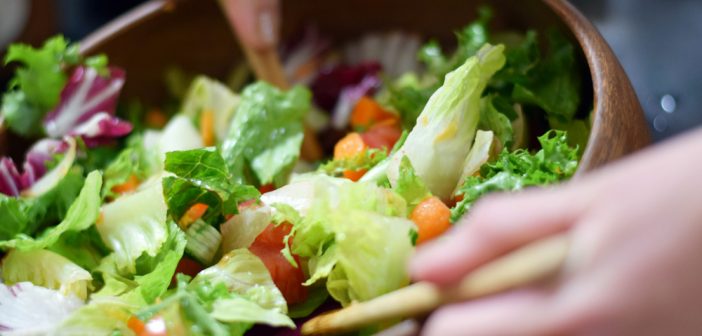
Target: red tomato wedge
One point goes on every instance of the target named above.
(382, 135)
(286, 277)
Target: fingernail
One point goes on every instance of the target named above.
(265, 27)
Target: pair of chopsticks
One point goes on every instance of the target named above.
(526, 265)
(267, 67)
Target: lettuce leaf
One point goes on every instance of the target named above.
(512, 171)
(134, 224)
(245, 274)
(241, 230)
(47, 269)
(103, 316)
(82, 214)
(410, 186)
(203, 177)
(27, 309)
(37, 83)
(240, 310)
(439, 143)
(265, 134)
(131, 161)
(493, 119)
(367, 260)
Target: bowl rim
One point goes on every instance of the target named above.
(611, 87)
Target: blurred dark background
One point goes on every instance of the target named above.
(658, 43)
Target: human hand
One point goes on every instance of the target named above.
(256, 21)
(633, 268)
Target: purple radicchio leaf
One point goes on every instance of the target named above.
(10, 179)
(330, 82)
(101, 129)
(86, 94)
(12, 183)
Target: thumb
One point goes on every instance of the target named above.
(256, 21)
(495, 226)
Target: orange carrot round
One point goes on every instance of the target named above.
(156, 118)
(432, 218)
(128, 186)
(349, 146)
(194, 213)
(368, 112)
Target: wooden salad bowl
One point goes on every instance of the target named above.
(194, 36)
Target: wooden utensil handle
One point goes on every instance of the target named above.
(533, 262)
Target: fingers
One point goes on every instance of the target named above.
(495, 226)
(527, 312)
(256, 21)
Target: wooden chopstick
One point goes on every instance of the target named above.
(533, 262)
(267, 66)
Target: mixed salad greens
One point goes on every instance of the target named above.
(207, 222)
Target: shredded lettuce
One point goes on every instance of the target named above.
(47, 269)
(512, 171)
(265, 134)
(440, 141)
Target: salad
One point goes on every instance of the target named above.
(201, 217)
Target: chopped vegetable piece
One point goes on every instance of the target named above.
(207, 127)
(368, 112)
(194, 213)
(432, 218)
(349, 146)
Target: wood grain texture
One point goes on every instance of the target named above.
(194, 35)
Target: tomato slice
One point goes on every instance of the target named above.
(286, 277)
(187, 266)
(382, 135)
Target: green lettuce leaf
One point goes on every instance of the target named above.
(36, 86)
(47, 269)
(470, 39)
(134, 224)
(131, 161)
(85, 248)
(493, 119)
(82, 214)
(410, 186)
(240, 310)
(266, 133)
(103, 316)
(203, 177)
(554, 83)
(439, 143)
(512, 171)
(367, 260)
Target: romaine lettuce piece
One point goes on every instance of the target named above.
(240, 310)
(134, 224)
(410, 186)
(483, 147)
(265, 134)
(439, 143)
(208, 94)
(82, 214)
(495, 120)
(47, 269)
(26, 309)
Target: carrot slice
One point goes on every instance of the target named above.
(207, 127)
(349, 146)
(194, 213)
(368, 112)
(432, 218)
(128, 186)
(355, 175)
